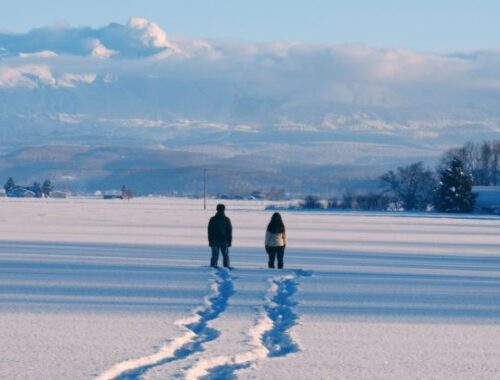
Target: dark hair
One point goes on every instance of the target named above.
(220, 207)
(276, 225)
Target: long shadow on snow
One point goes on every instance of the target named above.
(216, 306)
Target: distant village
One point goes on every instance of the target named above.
(466, 180)
(37, 190)
(46, 190)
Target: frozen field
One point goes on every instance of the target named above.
(117, 289)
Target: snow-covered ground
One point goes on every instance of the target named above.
(117, 289)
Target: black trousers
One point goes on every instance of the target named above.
(222, 248)
(273, 253)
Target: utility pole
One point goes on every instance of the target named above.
(204, 189)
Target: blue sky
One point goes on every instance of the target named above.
(420, 25)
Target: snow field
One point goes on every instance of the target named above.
(96, 289)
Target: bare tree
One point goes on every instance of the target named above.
(495, 162)
(348, 200)
(127, 193)
(412, 185)
(485, 156)
(311, 202)
(481, 161)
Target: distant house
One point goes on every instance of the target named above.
(21, 192)
(59, 194)
(488, 199)
(113, 194)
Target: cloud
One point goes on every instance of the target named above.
(147, 33)
(99, 50)
(318, 65)
(284, 82)
(137, 38)
(39, 54)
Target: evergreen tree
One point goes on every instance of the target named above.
(37, 189)
(9, 185)
(454, 193)
(47, 188)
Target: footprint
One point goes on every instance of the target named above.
(270, 335)
(198, 333)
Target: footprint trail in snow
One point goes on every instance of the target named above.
(198, 333)
(270, 336)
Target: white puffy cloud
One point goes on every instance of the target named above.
(287, 83)
(99, 50)
(148, 33)
(39, 54)
(274, 62)
(137, 38)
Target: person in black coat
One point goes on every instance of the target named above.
(220, 236)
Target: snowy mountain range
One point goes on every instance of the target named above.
(276, 110)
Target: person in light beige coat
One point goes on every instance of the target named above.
(275, 242)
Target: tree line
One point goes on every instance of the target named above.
(481, 161)
(415, 187)
(38, 190)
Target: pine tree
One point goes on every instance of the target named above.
(37, 189)
(9, 185)
(454, 193)
(47, 188)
